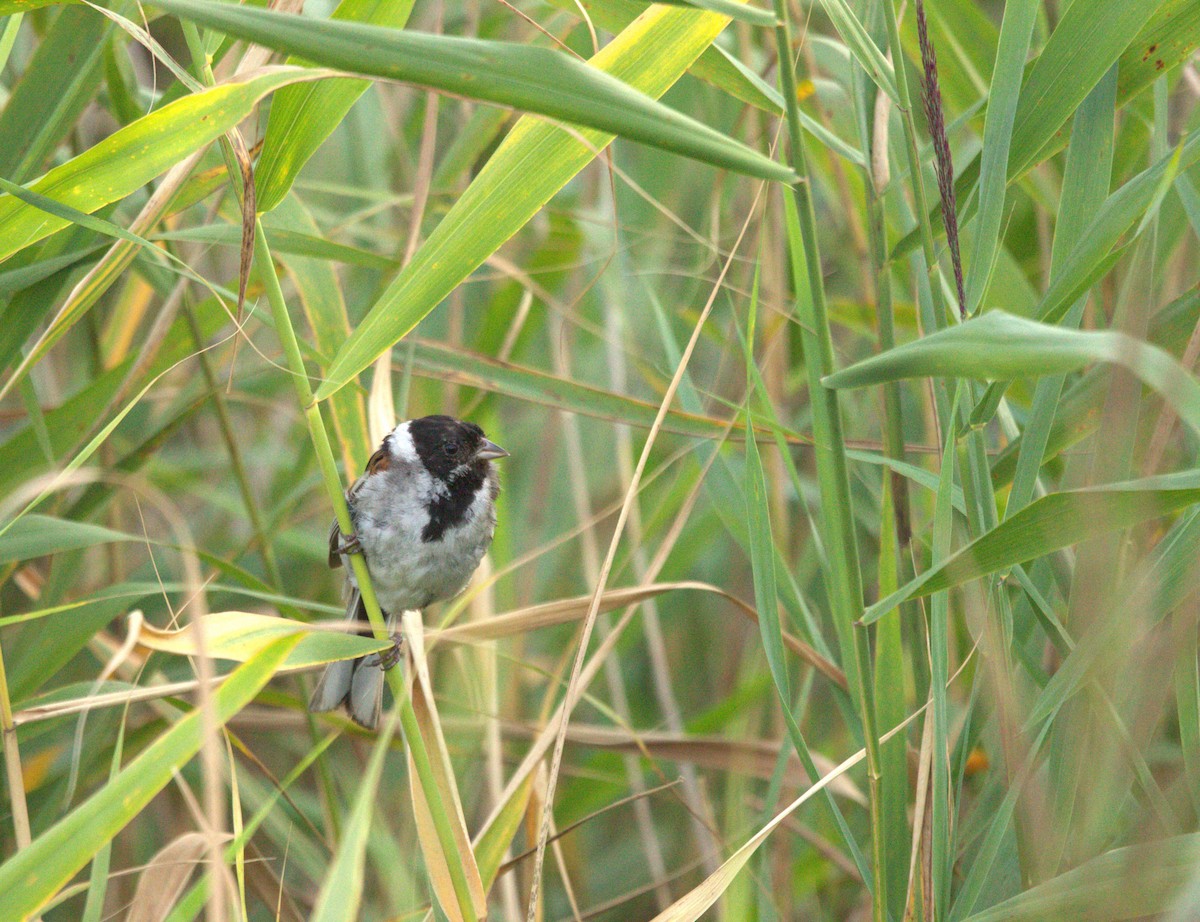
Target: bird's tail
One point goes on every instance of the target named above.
(358, 684)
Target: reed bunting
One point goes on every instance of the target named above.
(424, 513)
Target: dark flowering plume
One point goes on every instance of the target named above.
(932, 95)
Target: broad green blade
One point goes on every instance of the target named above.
(997, 345)
(28, 309)
(286, 239)
(497, 836)
(1015, 34)
(42, 535)
(1047, 525)
(1098, 248)
(18, 279)
(528, 78)
(1078, 412)
(31, 877)
(1168, 39)
(81, 219)
(134, 155)
(1086, 181)
(534, 162)
(134, 590)
(8, 7)
(744, 12)
(1087, 41)
(891, 710)
(715, 65)
(303, 116)
(241, 635)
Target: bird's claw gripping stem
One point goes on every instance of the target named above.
(391, 656)
(349, 545)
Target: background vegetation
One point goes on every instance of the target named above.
(791, 497)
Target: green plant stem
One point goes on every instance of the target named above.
(896, 550)
(202, 65)
(938, 633)
(333, 484)
(975, 471)
(893, 414)
(832, 469)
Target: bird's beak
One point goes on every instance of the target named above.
(489, 451)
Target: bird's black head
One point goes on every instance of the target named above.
(450, 448)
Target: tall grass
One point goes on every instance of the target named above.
(868, 484)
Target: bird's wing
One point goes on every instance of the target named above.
(335, 541)
(377, 464)
(335, 531)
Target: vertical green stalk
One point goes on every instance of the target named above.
(941, 808)
(976, 482)
(846, 590)
(333, 485)
(895, 534)
(202, 65)
(893, 417)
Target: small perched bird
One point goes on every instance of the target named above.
(424, 513)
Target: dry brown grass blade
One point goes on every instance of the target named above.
(565, 611)
(431, 731)
(562, 611)
(533, 814)
(255, 56)
(920, 873)
(164, 878)
(109, 699)
(246, 251)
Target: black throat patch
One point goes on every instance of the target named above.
(450, 509)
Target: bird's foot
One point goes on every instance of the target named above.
(391, 656)
(349, 545)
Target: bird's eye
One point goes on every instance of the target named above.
(450, 447)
